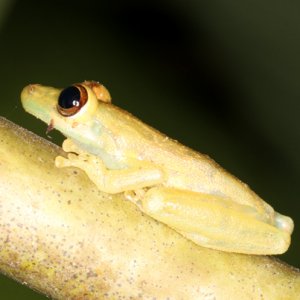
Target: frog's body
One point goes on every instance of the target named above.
(182, 166)
(170, 182)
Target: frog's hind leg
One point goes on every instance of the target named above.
(214, 222)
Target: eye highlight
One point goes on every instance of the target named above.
(71, 100)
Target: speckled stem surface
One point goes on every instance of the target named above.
(66, 239)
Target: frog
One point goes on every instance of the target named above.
(169, 182)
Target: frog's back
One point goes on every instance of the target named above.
(184, 167)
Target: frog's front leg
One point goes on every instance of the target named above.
(109, 181)
(214, 222)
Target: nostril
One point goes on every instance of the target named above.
(32, 87)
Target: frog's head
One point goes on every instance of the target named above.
(71, 110)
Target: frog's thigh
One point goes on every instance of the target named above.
(112, 181)
(214, 222)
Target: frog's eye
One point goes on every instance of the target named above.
(71, 100)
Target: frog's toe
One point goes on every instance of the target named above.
(91, 159)
(61, 162)
(72, 157)
(69, 146)
(73, 160)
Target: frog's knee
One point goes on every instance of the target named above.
(284, 223)
(154, 200)
(160, 202)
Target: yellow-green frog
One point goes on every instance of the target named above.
(175, 185)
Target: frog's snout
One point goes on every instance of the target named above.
(39, 100)
(28, 91)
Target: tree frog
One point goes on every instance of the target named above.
(173, 184)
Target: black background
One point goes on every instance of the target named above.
(219, 76)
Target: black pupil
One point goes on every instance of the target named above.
(69, 97)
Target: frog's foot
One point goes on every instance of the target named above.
(109, 181)
(92, 165)
(76, 156)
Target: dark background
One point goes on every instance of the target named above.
(219, 76)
